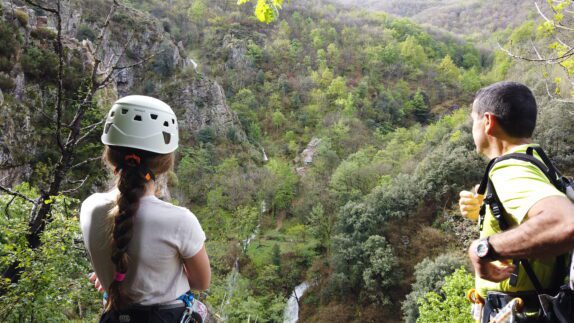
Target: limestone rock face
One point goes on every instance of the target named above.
(200, 103)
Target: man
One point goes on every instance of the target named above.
(540, 216)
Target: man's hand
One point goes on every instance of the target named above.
(488, 270)
(94, 280)
(470, 203)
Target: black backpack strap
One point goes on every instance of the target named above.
(561, 270)
(553, 174)
(532, 276)
(545, 159)
(482, 187)
(484, 184)
(496, 207)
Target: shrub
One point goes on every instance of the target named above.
(39, 64)
(9, 40)
(232, 135)
(22, 16)
(85, 32)
(451, 304)
(6, 83)
(5, 65)
(429, 275)
(44, 33)
(206, 135)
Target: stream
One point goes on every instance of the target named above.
(291, 313)
(232, 279)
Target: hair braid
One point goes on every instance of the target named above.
(132, 187)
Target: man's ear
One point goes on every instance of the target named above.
(489, 123)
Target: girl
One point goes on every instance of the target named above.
(146, 253)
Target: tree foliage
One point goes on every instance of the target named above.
(451, 305)
(265, 10)
(429, 276)
(54, 276)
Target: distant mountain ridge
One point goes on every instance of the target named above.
(465, 17)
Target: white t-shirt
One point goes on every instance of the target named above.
(163, 235)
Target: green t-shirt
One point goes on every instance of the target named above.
(519, 185)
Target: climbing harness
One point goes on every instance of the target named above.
(509, 312)
(190, 311)
(195, 311)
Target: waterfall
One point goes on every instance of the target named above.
(232, 280)
(291, 313)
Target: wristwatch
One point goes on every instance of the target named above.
(484, 250)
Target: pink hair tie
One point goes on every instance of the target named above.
(119, 276)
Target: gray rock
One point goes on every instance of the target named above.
(200, 103)
(19, 89)
(309, 152)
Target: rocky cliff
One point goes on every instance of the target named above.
(160, 68)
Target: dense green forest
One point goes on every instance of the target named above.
(327, 146)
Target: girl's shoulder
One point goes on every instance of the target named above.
(99, 199)
(167, 207)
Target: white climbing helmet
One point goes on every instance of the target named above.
(141, 122)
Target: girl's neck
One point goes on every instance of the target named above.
(150, 188)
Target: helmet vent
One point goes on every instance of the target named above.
(138, 118)
(113, 113)
(173, 121)
(165, 124)
(153, 116)
(108, 125)
(124, 111)
(166, 137)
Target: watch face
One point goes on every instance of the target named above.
(482, 249)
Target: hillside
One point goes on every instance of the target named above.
(477, 18)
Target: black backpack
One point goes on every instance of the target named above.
(560, 307)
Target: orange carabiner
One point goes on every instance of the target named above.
(474, 297)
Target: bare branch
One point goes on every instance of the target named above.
(91, 129)
(37, 5)
(17, 194)
(7, 208)
(9, 166)
(548, 60)
(105, 26)
(82, 163)
(545, 68)
(557, 25)
(119, 68)
(60, 50)
(82, 182)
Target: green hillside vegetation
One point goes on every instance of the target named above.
(370, 220)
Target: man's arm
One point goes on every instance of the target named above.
(548, 231)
